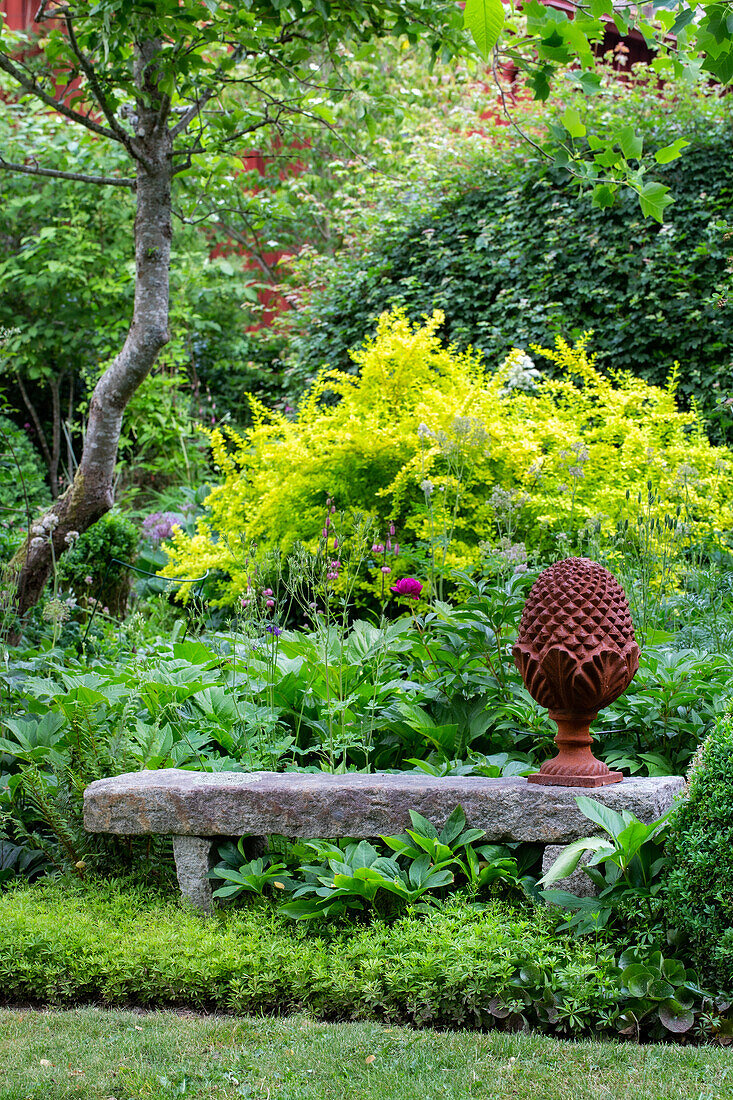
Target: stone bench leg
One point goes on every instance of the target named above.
(193, 856)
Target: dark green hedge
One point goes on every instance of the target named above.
(522, 255)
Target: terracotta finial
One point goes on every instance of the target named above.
(576, 652)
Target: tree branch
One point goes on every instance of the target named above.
(33, 88)
(78, 177)
(188, 153)
(89, 72)
(196, 108)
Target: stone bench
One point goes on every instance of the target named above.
(198, 807)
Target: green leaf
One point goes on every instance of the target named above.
(422, 826)
(683, 20)
(664, 156)
(539, 82)
(608, 819)
(602, 196)
(589, 81)
(637, 978)
(569, 858)
(660, 990)
(453, 826)
(573, 123)
(630, 143)
(654, 198)
(721, 67)
(364, 855)
(675, 1017)
(630, 839)
(484, 20)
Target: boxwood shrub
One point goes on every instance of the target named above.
(699, 889)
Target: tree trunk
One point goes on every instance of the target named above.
(90, 494)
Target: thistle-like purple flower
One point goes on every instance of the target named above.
(407, 586)
(159, 525)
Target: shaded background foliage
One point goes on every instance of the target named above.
(519, 255)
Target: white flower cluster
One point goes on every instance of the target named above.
(43, 530)
(519, 372)
(56, 611)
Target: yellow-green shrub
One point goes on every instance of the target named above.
(418, 412)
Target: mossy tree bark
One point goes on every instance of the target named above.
(90, 494)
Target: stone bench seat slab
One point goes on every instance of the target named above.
(309, 805)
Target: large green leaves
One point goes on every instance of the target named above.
(484, 19)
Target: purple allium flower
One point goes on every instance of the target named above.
(407, 586)
(386, 569)
(158, 526)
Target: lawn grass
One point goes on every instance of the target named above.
(100, 1054)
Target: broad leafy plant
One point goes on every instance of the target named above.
(328, 879)
(626, 865)
(657, 994)
(249, 877)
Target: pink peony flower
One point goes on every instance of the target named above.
(407, 586)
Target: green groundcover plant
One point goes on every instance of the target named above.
(460, 966)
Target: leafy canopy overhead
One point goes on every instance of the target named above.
(228, 69)
(225, 70)
(540, 41)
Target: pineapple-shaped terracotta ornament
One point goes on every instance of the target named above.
(576, 652)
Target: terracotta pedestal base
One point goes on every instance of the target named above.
(575, 780)
(575, 765)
